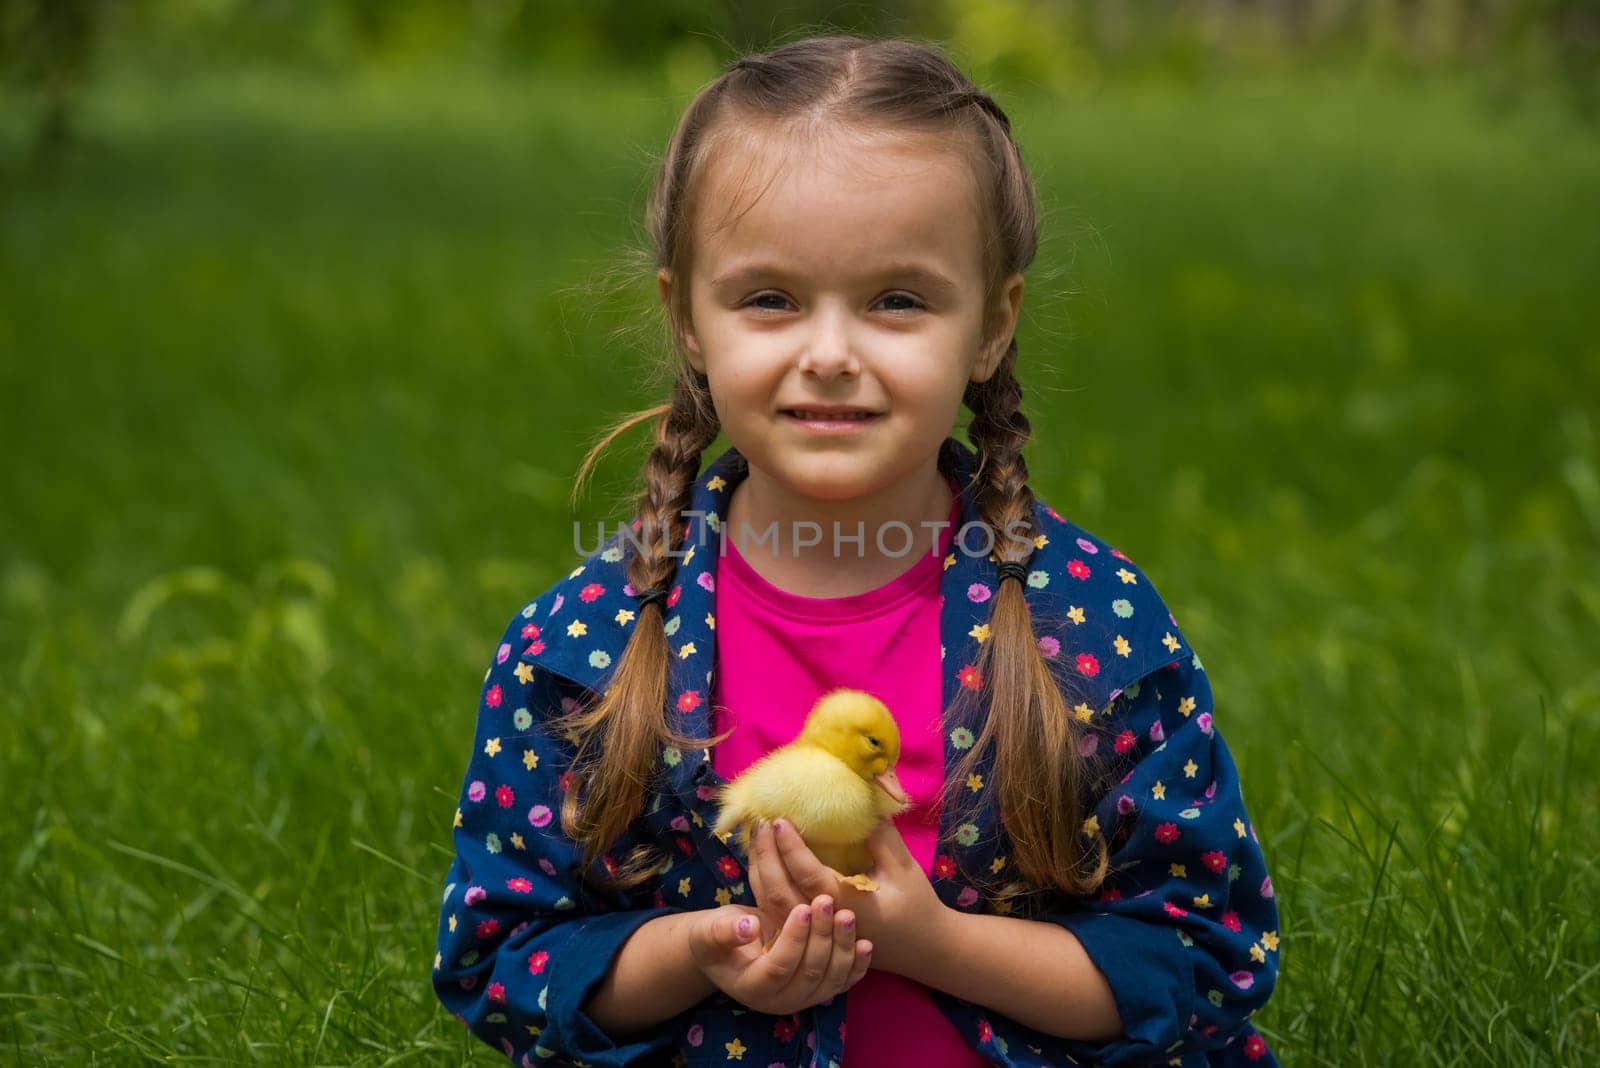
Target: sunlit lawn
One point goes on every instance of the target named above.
(294, 376)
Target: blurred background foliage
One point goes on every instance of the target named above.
(51, 47)
(308, 312)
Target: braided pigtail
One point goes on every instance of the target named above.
(629, 724)
(1039, 773)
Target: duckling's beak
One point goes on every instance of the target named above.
(889, 783)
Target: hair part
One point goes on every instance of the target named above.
(811, 88)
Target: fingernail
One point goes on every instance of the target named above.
(777, 826)
(849, 921)
(805, 915)
(744, 927)
(827, 908)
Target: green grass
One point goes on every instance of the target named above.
(294, 375)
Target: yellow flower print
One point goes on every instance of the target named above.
(623, 617)
(1258, 954)
(524, 673)
(1122, 646)
(492, 747)
(1178, 871)
(1238, 827)
(1159, 791)
(1091, 826)
(1075, 614)
(1128, 578)
(735, 1050)
(1083, 712)
(1189, 768)
(1186, 705)
(452, 921)
(1172, 644)
(999, 862)
(974, 782)
(683, 886)
(711, 621)
(687, 651)
(980, 632)
(517, 842)
(1040, 541)
(458, 818)
(715, 483)
(949, 562)
(1270, 939)
(724, 896)
(1203, 901)
(577, 629)
(530, 759)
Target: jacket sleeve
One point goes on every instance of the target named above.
(521, 943)
(1185, 928)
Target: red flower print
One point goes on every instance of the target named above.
(1215, 860)
(943, 867)
(985, 1032)
(534, 648)
(610, 865)
(1088, 666)
(565, 779)
(1174, 911)
(729, 867)
(591, 592)
(1254, 1047)
(537, 961)
(487, 929)
(672, 598)
(1078, 569)
(688, 700)
(497, 992)
(492, 698)
(505, 796)
(684, 846)
(520, 885)
(970, 677)
(1230, 920)
(1118, 554)
(785, 1029)
(530, 631)
(1111, 895)
(1126, 741)
(1167, 833)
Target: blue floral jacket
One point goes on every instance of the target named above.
(1185, 929)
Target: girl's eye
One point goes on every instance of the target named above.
(755, 301)
(905, 302)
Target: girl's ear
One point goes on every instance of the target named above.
(1002, 328)
(683, 331)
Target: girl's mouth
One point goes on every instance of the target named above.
(830, 422)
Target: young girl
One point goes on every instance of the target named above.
(841, 229)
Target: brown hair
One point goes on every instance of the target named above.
(1037, 776)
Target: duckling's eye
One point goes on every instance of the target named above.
(872, 741)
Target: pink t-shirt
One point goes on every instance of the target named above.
(777, 652)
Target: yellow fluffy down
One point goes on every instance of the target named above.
(833, 805)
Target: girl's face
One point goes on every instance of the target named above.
(854, 282)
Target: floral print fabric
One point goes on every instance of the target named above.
(1184, 930)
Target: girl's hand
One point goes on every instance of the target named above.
(900, 917)
(812, 960)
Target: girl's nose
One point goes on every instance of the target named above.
(828, 352)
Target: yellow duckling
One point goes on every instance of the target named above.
(834, 783)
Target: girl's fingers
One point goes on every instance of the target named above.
(754, 874)
(782, 961)
(861, 960)
(844, 952)
(819, 947)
